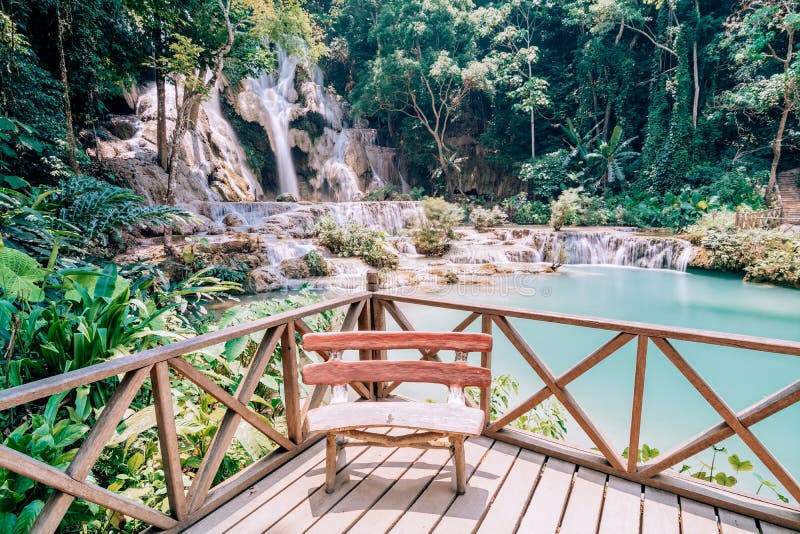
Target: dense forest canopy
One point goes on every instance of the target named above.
(632, 96)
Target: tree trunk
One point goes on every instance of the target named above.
(72, 148)
(533, 135)
(161, 119)
(696, 100)
(776, 152)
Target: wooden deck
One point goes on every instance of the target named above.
(509, 490)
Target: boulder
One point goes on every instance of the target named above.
(295, 268)
(261, 280)
(233, 219)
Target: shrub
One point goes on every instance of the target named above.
(317, 266)
(354, 240)
(286, 197)
(563, 210)
(548, 175)
(384, 192)
(524, 211)
(592, 211)
(484, 219)
(432, 235)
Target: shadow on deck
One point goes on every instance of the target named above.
(510, 490)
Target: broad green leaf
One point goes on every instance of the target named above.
(19, 275)
(27, 516)
(135, 462)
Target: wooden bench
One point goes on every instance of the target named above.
(431, 422)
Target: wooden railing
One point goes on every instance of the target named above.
(369, 311)
(759, 219)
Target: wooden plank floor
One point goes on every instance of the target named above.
(509, 490)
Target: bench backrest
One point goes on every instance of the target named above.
(337, 372)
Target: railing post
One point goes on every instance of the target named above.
(291, 387)
(377, 322)
(486, 361)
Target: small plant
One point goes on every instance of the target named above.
(432, 235)
(563, 210)
(317, 266)
(286, 197)
(483, 219)
(355, 240)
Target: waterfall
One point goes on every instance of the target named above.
(521, 245)
(390, 217)
(336, 176)
(234, 160)
(271, 103)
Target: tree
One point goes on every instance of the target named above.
(761, 35)
(517, 57)
(426, 65)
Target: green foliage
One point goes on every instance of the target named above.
(355, 240)
(317, 266)
(524, 211)
(564, 209)
(483, 218)
(433, 233)
(548, 175)
(286, 197)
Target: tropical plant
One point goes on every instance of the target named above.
(435, 229)
(564, 209)
(610, 157)
(484, 219)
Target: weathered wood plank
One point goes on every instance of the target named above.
(769, 528)
(622, 507)
(430, 341)
(394, 503)
(434, 501)
(585, 501)
(338, 372)
(698, 518)
(317, 502)
(638, 398)
(58, 503)
(467, 511)
(544, 511)
(510, 501)
(55, 384)
(260, 491)
(486, 363)
(168, 440)
(291, 385)
(660, 512)
(284, 499)
(441, 417)
(777, 346)
(733, 523)
(356, 503)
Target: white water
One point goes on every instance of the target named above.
(271, 102)
(234, 159)
(606, 247)
(336, 176)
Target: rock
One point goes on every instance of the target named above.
(261, 280)
(295, 268)
(233, 219)
(123, 127)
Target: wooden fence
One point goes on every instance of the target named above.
(368, 311)
(759, 219)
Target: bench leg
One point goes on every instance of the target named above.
(457, 442)
(331, 455)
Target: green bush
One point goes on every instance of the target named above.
(433, 233)
(564, 209)
(524, 211)
(548, 176)
(286, 197)
(317, 266)
(355, 240)
(484, 219)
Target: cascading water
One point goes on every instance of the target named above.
(225, 139)
(587, 248)
(336, 176)
(271, 102)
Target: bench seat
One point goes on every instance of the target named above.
(435, 417)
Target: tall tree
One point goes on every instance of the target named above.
(517, 57)
(762, 36)
(426, 65)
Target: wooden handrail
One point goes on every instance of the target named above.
(367, 311)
